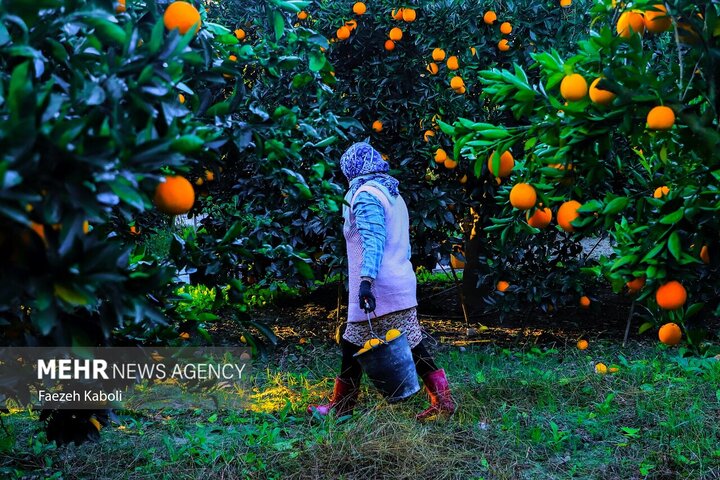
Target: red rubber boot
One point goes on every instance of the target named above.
(441, 401)
(343, 400)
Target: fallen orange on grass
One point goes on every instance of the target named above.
(585, 302)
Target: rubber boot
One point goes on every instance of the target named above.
(441, 401)
(343, 400)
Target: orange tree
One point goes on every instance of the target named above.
(398, 68)
(109, 115)
(619, 139)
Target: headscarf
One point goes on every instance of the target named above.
(361, 164)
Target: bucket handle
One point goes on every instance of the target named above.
(372, 332)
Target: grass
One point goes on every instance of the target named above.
(525, 414)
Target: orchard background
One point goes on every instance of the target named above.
(146, 144)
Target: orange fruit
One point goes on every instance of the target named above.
(343, 33)
(174, 196)
(584, 302)
(302, 15)
(502, 286)
(657, 20)
(613, 369)
(505, 28)
(392, 335)
(120, 6)
(39, 229)
(428, 134)
(209, 175)
(240, 34)
(461, 90)
(630, 22)
(377, 126)
(440, 156)
(636, 284)
(671, 296)
(181, 98)
(397, 14)
(661, 192)
(473, 51)
(507, 163)
(450, 164)
(601, 368)
(395, 34)
(432, 67)
(184, 335)
(489, 17)
(582, 344)
(705, 254)
(503, 45)
(601, 97)
(452, 63)
(565, 3)
(670, 334)
(361, 351)
(199, 182)
(351, 24)
(540, 219)
(573, 87)
(359, 8)
(438, 54)
(568, 212)
(134, 230)
(463, 180)
(523, 196)
(409, 15)
(181, 16)
(389, 45)
(660, 118)
(456, 83)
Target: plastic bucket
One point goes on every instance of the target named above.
(391, 369)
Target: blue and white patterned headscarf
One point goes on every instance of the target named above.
(361, 163)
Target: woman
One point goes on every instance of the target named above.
(381, 279)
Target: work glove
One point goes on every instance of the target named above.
(367, 299)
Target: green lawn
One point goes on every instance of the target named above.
(531, 414)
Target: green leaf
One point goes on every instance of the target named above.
(20, 100)
(674, 245)
(645, 327)
(71, 295)
(304, 269)
(187, 143)
(616, 206)
(672, 218)
(127, 193)
(317, 61)
(278, 25)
